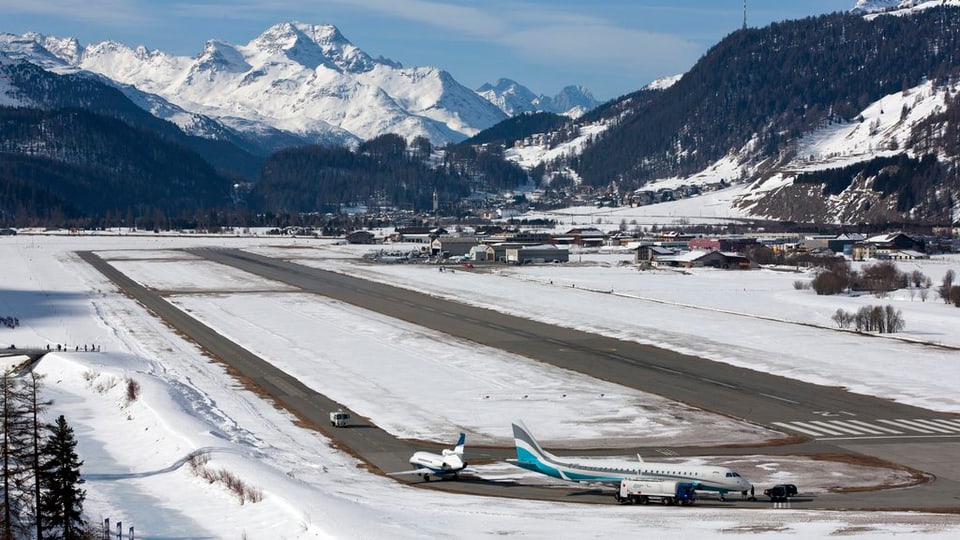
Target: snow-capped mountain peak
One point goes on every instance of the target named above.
(871, 6)
(885, 6)
(217, 55)
(305, 81)
(301, 81)
(509, 96)
(513, 98)
(663, 82)
(288, 41)
(67, 49)
(31, 48)
(574, 101)
(312, 45)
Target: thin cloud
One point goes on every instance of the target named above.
(543, 34)
(556, 38)
(442, 15)
(601, 45)
(104, 12)
(530, 30)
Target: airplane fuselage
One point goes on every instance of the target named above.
(718, 479)
(437, 464)
(532, 457)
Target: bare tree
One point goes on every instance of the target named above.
(955, 295)
(894, 319)
(862, 320)
(843, 318)
(881, 319)
(881, 278)
(827, 283)
(878, 318)
(946, 285)
(917, 278)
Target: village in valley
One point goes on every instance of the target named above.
(669, 248)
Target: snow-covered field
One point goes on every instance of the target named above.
(753, 319)
(134, 450)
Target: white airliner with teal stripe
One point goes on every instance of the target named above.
(532, 457)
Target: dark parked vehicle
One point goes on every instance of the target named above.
(780, 492)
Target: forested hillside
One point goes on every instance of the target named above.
(758, 97)
(63, 164)
(381, 172)
(771, 85)
(48, 90)
(513, 129)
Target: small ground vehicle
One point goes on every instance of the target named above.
(662, 491)
(340, 418)
(781, 492)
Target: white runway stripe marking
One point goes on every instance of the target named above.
(933, 426)
(905, 424)
(858, 428)
(880, 428)
(835, 425)
(792, 427)
(876, 428)
(823, 430)
(948, 423)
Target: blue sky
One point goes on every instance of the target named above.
(610, 46)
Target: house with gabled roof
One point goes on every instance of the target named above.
(704, 259)
(537, 254)
(883, 245)
(585, 237)
(360, 237)
(647, 253)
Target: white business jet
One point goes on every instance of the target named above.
(449, 463)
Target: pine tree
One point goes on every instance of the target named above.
(14, 457)
(61, 501)
(35, 408)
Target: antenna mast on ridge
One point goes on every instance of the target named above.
(744, 14)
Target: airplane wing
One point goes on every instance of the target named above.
(596, 480)
(432, 472)
(604, 481)
(411, 471)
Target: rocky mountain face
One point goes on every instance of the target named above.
(513, 98)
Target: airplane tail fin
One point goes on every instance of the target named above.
(458, 449)
(528, 449)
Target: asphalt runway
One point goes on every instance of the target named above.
(836, 422)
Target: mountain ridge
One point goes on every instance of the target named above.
(760, 108)
(513, 98)
(305, 80)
